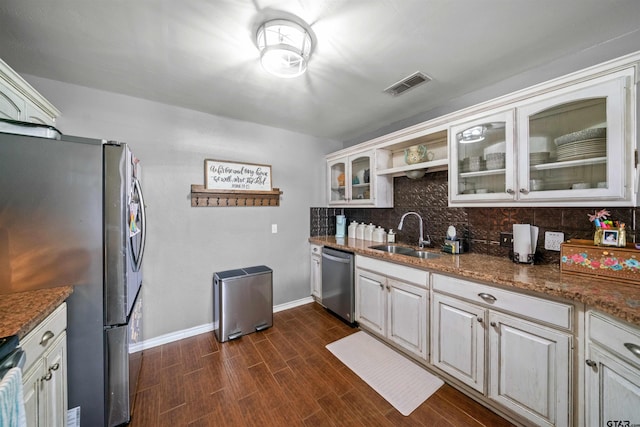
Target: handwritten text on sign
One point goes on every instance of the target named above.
(221, 175)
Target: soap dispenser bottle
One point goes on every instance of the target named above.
(391, 236)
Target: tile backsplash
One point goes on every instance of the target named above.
(481, 226)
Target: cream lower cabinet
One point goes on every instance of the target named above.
(514, 361)
(612, 372)
(316, 272)
(45, 372)
(392, 302)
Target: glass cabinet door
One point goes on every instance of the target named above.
(573, 145)
(482, 159)
(361, 191)
(337, 174)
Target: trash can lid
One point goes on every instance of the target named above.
(258, 269)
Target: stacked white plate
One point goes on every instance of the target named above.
(584, 144)
(539, 158)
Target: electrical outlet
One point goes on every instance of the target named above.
(274, 228)
(552, 240)
(506, 239)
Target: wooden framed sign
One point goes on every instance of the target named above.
(223, 175)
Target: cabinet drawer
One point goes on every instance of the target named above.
(43, 336)
(613, 335)
(542, 310)
(389, 269)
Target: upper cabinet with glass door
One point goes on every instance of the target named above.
(574, 145)
(566, 147)
(353, 181)
(482, 157)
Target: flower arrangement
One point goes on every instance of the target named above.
(608, 232)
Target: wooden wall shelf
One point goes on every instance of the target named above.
(201, 197)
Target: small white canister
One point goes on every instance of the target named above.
(351, 230)
(368, 232)
(391, 236)
(360, 231)
(379, 235)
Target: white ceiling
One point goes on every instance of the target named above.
(201, 54)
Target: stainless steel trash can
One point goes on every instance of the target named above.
(242, 301)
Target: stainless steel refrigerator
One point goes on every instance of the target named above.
(72, 213)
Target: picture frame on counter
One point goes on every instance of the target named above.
(236, 176)
(610, 237)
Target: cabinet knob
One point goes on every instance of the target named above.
(487, 297)
(633, 348)
(591, 363)
(524, 191)
(479, 319)
(493, 324)
(46, 337)
(510, 191)
(54, 367)
(47, 377)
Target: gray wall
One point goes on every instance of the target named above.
(187, 245)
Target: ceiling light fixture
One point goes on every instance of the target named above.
(285, 47)
(474, 134)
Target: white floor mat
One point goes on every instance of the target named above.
(400, 381)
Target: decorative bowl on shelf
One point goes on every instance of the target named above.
(415, 174)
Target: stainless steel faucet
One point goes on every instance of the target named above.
(421, 240)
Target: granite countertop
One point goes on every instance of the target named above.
(621, 300)
(22, 311)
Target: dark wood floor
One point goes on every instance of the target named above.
(283, 376)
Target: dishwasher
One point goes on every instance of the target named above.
(337, 283)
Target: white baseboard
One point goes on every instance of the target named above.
(208, 327)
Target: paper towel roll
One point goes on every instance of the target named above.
(522, 241)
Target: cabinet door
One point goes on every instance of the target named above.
(32, 384)
(481, 162)
(572, 144)
(12, 106)
(370, 301)
(407, 317)
(361, 184)
(338, 176)
(54, 383)
(530, 370)
(457, 340)
(612, 390)
(316, 276)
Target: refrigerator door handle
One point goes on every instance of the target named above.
(143, 224)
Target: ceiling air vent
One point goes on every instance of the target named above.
(409, 82)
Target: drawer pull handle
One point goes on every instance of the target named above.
(46, 337)
(633, 348)
(54, 367)
(591, 363)
(487, 297)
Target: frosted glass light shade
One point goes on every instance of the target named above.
(284, 48)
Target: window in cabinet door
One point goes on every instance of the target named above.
(483, 155)
(338, 171)
(573, 145)
(361, 179)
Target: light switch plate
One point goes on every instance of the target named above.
(552, 240)
(274, 228)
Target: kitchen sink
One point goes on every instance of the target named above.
(393, 249)
(422, 254)
(403, 250)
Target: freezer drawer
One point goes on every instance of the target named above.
(242, 301)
